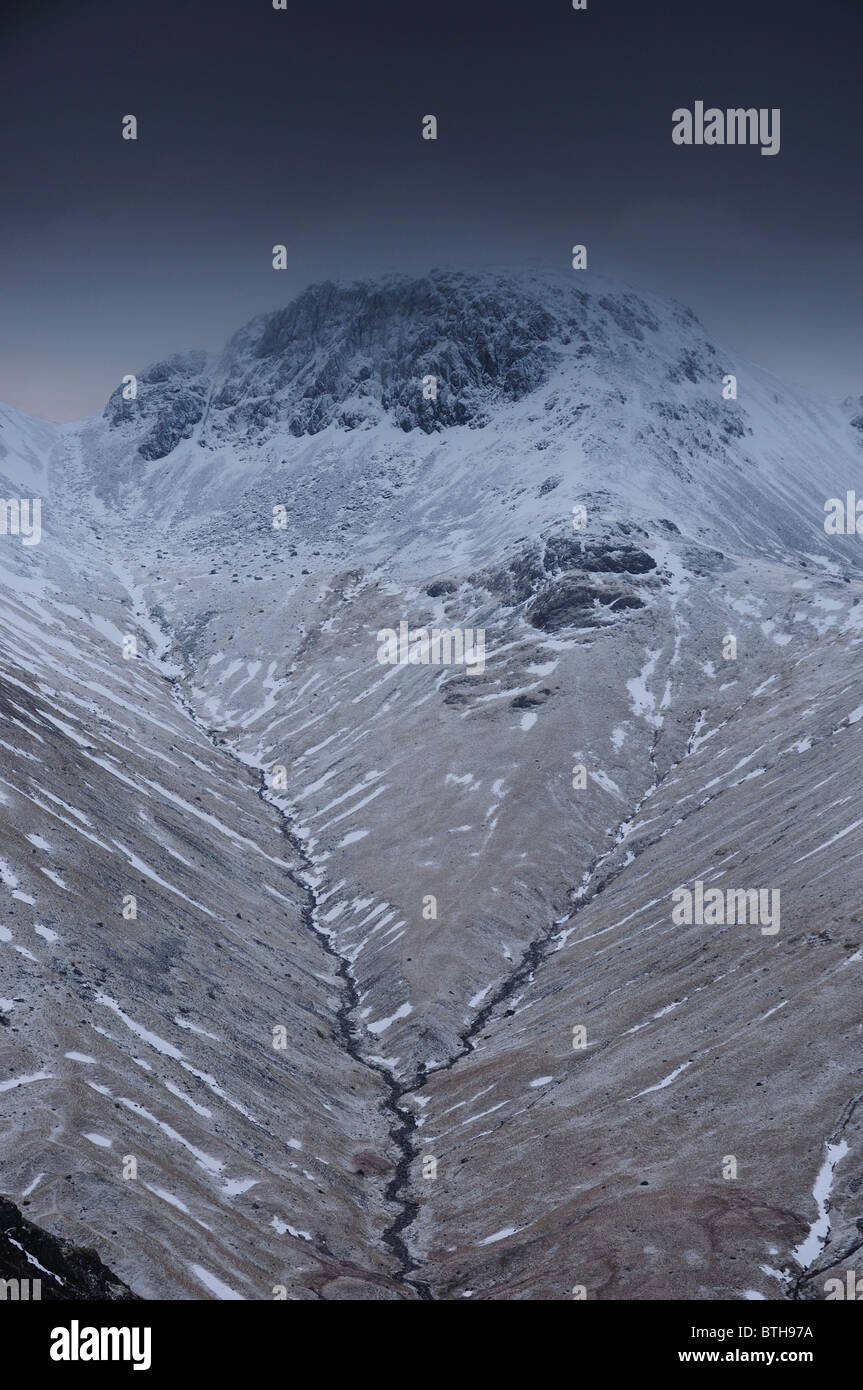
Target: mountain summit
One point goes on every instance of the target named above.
(375, 967)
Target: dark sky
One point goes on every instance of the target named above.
(302, 126)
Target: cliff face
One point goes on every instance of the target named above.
(353, 354)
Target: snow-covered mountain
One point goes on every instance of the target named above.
(398, 865)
